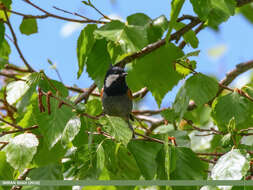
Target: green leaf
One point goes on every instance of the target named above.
(120, 163)
(158, 68)
(6, 171)
(189, 37)
(130, 37)
(201, 88)
(176, 6)
(118, 128)
(181, 102)
(52, 126)
(138, 19)
(231, 166)
(85, 43)
(229, 106)
(2, 32)
(145, 153)
(28, 26)
(246, 11)
(7, 4)
(158, 27)
(43, 154)
(56, 87)
(71, 130)
(214, 11)
(5, 51)
(20, 150)
(98, 62)
(94, 107)
(21, 89)
(193, 167)
(49, 172)
(84, 161)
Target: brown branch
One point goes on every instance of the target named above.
(147, 112)
(97, 10)
(21, 177)
(86, 94)
(15, 68)
(47, 14)
(152, 47)
(12, 76)
(206, 160)
(231, 75)
(11, 124)
(141, 93)
(19, 130)
(200, 27)
(189, 122)
(15, 41)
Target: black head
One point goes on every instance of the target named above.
(115, 82)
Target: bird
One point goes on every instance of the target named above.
(116, 96)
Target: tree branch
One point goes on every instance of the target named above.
(47, 14)
(15, 41)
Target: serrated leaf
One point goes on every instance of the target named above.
(49, 172)
(229, 106)
(98, 62)
(181, 102)
(145, 153)
(138, 19)
(53, 125)
(6, 171)
(158, 68)
(194, 168)
(28, 26)
(44, 152)
(176, 6)
(85, 43)
(189, 37)
(71, 130)
(214, 11)
(21, 149)
(201, 88)
(118, 128)
(54, 86)
(5, 51)
(120, 163)
(130, 37)
(20, 89)
(231, 166)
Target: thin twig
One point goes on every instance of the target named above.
(61, 17)
(152, 47)
(11, 124)
(19, 130)
(86, 94)
(15, 41)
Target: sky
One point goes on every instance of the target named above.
(57, 39)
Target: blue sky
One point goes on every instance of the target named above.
(56, 42)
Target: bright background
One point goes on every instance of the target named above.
(57, 39)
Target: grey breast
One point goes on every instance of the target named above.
(117, 105)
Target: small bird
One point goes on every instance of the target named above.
(116, 96)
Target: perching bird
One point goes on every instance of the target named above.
(116, 96)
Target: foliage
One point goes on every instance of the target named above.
(44, 131)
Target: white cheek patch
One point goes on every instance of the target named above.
(110, 79)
